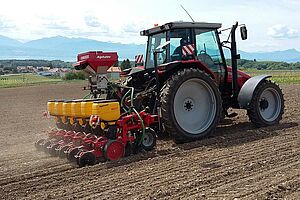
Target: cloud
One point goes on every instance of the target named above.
(6, 23)
(282, 31)
(53, 23)
(134, 28)
(57, 26)
(94, 22)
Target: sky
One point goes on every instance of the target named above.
(272, 24)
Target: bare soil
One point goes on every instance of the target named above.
(237, 161)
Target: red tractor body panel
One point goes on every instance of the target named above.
(242, 77)
(186, 63)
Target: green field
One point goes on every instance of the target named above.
(279, 76)
(16, 80)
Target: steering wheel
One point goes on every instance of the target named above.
(162, 57)
(202, 52)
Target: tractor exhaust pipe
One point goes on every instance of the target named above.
(234, 58)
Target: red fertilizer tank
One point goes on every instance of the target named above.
(96, 62)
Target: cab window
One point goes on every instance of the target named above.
(178, 39)
(207, 48)
(208, 51)
(153, 42)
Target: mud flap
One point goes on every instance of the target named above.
(248, 89)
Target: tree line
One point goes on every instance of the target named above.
(8, 64)
(242, 64)
(35, 63)
(265, 65)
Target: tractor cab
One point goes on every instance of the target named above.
(187, 41)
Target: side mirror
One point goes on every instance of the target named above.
(243, 31)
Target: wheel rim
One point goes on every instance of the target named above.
(195, 106)
(115, 150)
(270, 104)
(148, 139)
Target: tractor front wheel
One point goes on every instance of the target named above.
(191, 105)
(267, 105)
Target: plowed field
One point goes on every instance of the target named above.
(237, 161)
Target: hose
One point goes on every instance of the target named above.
(127, 109)
(131, 108)
(124, 106)
(143, 125)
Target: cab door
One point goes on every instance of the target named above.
(209, 53)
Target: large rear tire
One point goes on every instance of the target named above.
(267, 105)
(191, 105)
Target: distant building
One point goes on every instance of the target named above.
(55, 72)
(25, 69)
(113, 72)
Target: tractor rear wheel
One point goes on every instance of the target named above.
(191, 105)
(267, 105)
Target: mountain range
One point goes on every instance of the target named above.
(66, 49)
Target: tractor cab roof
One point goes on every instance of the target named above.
(178, 25)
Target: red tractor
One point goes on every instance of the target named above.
(187, 82)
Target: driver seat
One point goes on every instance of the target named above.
(206, 59)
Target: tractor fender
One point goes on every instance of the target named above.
(247, 90)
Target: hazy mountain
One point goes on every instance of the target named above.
(5, 41)
(290, 55)
(66, 49)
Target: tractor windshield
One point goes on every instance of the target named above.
(178, 38)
